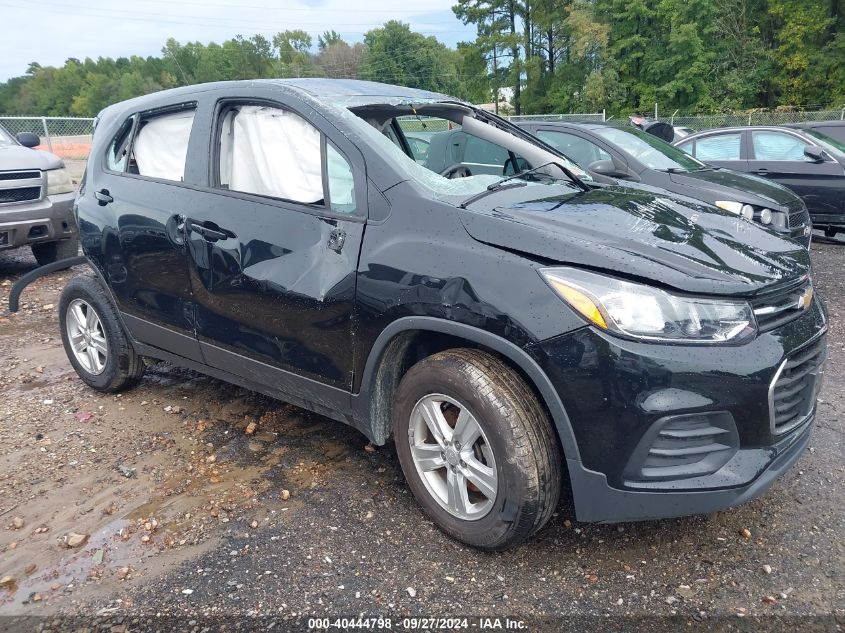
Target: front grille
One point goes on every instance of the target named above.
(798, 215)
(23, 194)
(779, 308)
(792, 394)
(18, 175)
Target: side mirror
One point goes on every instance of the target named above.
(607, 168)
(28, 139)
(814, 153)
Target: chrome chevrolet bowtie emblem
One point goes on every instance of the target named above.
(806, 299)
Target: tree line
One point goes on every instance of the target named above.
(546, 55)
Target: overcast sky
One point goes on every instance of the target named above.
(50, 31)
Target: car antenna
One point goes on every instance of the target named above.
(419, 118)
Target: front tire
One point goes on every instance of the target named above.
(477, 448)
(49, 252)
(93, 337)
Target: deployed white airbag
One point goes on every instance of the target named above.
(271, 152)
(161, 148)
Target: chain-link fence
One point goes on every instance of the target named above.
(587, 117)
(69, 138)
(709, 121)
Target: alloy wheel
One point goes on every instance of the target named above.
(453, 457)
(87, 336)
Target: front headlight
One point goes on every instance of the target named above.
(58, 181)
(744, 210)
(638, 311)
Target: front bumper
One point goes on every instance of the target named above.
(45, 220)
(606, 504)
(710, 407)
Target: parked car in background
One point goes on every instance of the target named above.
(830, 129)
(615, 153)
(36, 200)
(503, 329)
(809, 162)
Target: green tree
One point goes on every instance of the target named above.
(396, 54)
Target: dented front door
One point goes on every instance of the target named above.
(274, 287)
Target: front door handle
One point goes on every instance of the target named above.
(337, 238)
(209, 231)
(103, 197)
(762, 172)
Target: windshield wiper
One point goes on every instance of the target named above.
(496, 186)
(500, 184)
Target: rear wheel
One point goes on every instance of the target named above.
(477, 448)
(93, 337)
(49, 252)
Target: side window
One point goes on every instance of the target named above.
(686, 147)
(341, 181)
(777, 146)
(160, 147)
(718, 147)
(271, 152)
(582, 151)
(118, 153)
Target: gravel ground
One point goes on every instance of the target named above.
(200, 501)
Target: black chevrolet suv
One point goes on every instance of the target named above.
(512, 333)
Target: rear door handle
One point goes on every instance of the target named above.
(210, 233)
(762, 172)
(103, 197)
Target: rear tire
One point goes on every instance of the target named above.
(49, 252)
(515, 459)
(93, 337)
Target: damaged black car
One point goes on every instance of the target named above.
(515, 333)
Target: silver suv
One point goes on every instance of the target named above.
(36, 200)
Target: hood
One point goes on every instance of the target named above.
(731, 184)
(17, 157)
(638, 234)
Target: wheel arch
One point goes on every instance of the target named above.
(388, 360)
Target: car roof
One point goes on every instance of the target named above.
(738, 128)
(343, 92)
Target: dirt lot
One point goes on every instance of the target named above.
(195, 499)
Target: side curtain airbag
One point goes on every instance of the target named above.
(274, 153)
(162, 146)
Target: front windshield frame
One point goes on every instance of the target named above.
(827, 143)
(673, 159)
(451, 190)
(6, 138)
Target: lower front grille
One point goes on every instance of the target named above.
(684, 446)
(792, 394)
(23, 194)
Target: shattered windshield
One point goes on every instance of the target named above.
(456, 165)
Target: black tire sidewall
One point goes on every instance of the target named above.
(87, 289)
(492, 530)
